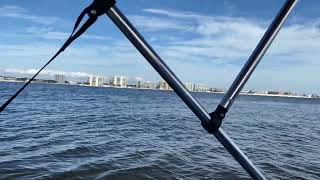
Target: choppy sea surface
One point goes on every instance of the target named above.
(73, 132)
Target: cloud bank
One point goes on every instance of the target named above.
(16, 12)
(46, 72)
(200, 48)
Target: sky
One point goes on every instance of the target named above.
(203, 42)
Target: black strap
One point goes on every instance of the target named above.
(74, 35)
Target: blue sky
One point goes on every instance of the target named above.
(205, 42)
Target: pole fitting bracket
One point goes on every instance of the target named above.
(215, 121)
(99, 7)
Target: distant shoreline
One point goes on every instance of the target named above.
(106, 86)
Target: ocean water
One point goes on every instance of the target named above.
(72, 132)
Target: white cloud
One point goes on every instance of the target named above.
(21, 13)
(230, 39)
(46, 72)
(51, 34)
(202, 48)
(217, 43)
(157, 24)
(42, 30)
(175, 14)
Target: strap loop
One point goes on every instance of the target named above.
(96, 9)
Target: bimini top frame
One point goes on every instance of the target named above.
(210, 121)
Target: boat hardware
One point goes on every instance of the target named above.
(93, 11)
(211, 122)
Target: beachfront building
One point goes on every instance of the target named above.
(217, 90)
(23, 79)
(95, 81)
(119, 81)
(313, 96)
(10, 78)
(200, 87)
(164, 85)
(279, 93)
(146, 85)
(59, 78)
(189, 86)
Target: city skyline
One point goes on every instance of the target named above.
(122, 82)
(206, 43)
(85, 77)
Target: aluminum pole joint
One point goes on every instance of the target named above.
(100, 7)
(215, 121)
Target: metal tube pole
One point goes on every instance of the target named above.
(257, 55)
(158, 64)
(155, 60)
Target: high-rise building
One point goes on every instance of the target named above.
(216, 90)
(95, 81)
(164, 85)
(59, 78)
(189, 86)
(201, 87)
(146, 85)
(119, 81)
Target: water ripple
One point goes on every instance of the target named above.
(71, 132)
